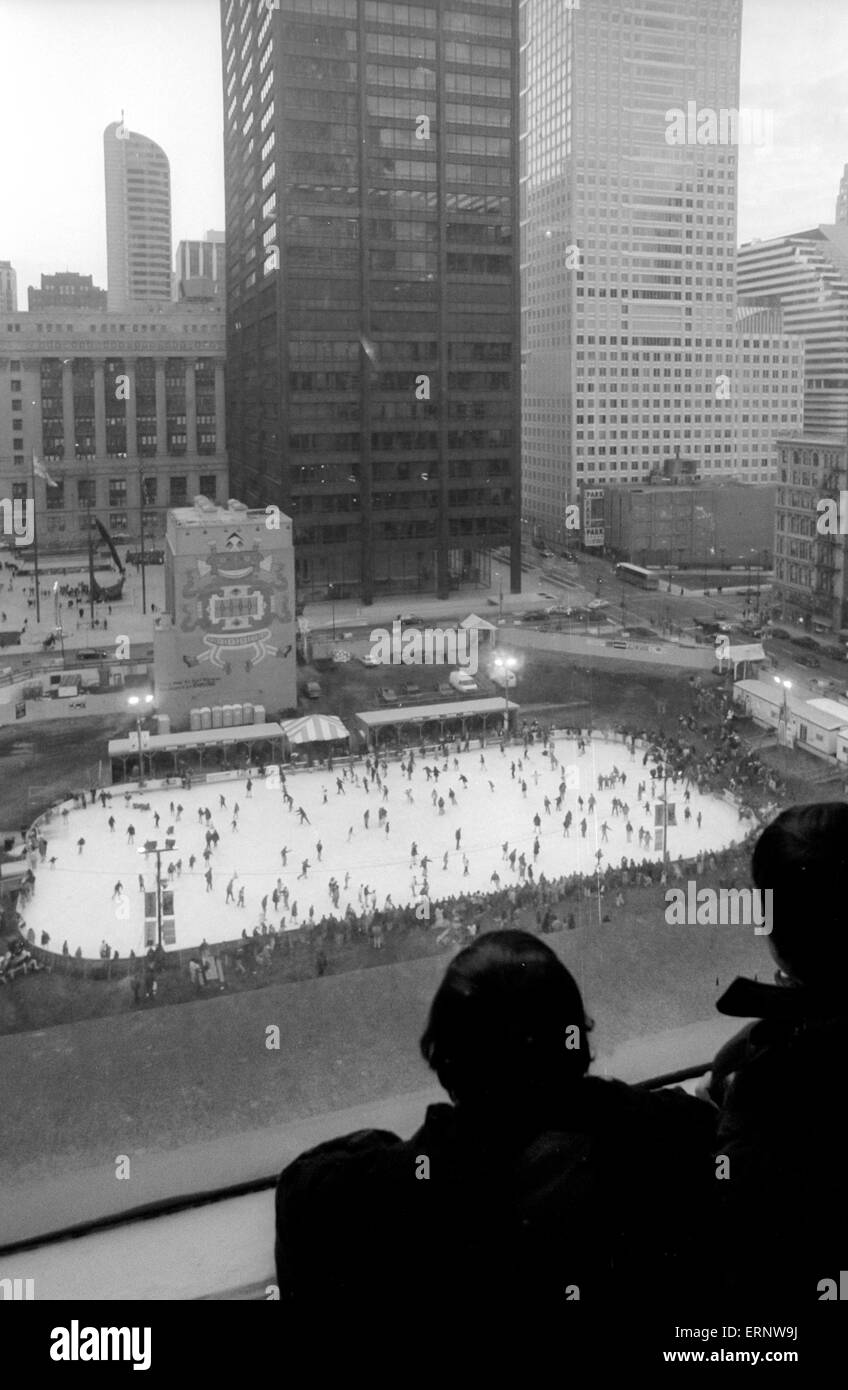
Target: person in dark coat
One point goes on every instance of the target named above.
(779, 1084)
(537, 1180)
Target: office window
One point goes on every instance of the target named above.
(178, 491)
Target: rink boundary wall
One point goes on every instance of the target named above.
(179, 957)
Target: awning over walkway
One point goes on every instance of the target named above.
(192, 739)
(314, 728)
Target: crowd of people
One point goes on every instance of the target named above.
(275, 938)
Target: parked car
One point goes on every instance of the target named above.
(369, 659)
(809, 643)
(87, 654)
(446, 689)
(809, 661)
(313, 690)
(598, 603)
(779, 632)
(388, 694)
(411, 691)
(534, 615)
(547, 554)
(465, 684)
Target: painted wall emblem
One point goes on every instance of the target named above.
(235, 597)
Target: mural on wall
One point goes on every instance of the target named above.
(234, 596)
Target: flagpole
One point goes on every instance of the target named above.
(35, 545)
(90, 555)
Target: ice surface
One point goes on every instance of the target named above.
(74, 899)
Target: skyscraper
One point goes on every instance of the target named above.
(807, 274)
(138, 218)
(842, 199)
(372, 290)
(8, 288)
(628, 243)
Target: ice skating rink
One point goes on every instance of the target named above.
(74, 898)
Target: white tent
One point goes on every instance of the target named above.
(314, 728)
(474, 623)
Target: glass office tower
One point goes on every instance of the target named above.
(372, 285)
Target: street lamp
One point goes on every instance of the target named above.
(138, 700)
(332, 589)
(505, 664)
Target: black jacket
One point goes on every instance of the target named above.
(780, 1084)
(607, 1200)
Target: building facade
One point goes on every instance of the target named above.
(8, 288)
(372, 288)
(711, 525)
(227, 641)
(810, 566)
(66, 290)
(138, 218)
(199, 267)
(630, 342)
(807, 273)
(128, 417)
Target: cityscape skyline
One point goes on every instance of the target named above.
(790, 65)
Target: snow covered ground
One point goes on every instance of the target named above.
(75, 900)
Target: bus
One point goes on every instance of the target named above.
(634, 574)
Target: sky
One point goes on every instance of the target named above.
(71, 66)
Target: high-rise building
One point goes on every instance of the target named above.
(138, 218)
(8, 288)
(125, 414)
(628, 245)
(807, 274)
(199, 269)
(66, 290)
(842, 199)
(372, 289)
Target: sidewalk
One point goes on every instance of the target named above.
(17, 606)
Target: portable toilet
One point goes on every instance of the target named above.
(228, 716)
(217, 717)
(248, 713)
(163, 722)
(195, 720)
(238, 712)
(259, 714)
(205, 717)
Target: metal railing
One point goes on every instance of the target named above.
(174, 1206)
